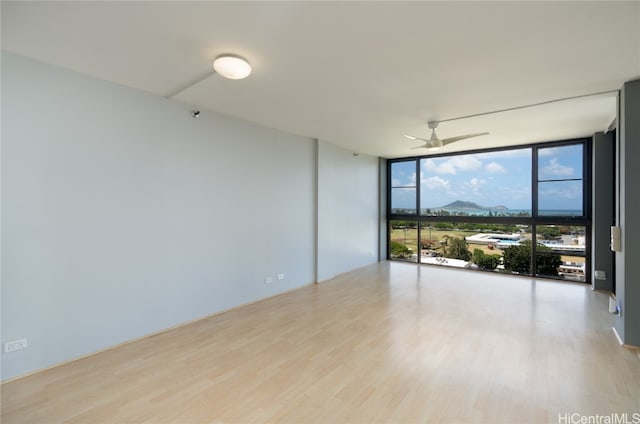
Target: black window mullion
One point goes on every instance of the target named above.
(562, 179)
(586, 179)
(389, 219)
(534, 209)
(534, 182)
(418, 207)
(534, 250)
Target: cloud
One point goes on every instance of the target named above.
(431, 166)
(553, 168)
(563, 196)
(474, 182)
(436, 183)
(466, 162)
(517, 191)
(404, 181)
(474, 185)
(561, 190)
(550, 151)
(495, 168)
(452, 165)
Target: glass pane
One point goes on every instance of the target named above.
(403, 201)
(403, 188)
(403, 240)
(560, 163)
(403, 174)
(471, 245)
(443, 243)
(479, 184)
(560, 198)
(561, 252)
(501, 247)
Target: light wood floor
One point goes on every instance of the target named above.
(392, 342)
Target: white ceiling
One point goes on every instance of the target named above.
(357, 74)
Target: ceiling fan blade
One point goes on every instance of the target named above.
(430, 145)
(461, 137)
(410, 137)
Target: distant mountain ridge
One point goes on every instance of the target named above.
(464, 205)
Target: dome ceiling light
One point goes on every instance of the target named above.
(232, 67)
(227, 65)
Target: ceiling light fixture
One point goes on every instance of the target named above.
(226, 65)
(232, 67)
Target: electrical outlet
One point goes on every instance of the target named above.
(268, 280)
(280, 276)
(15, 345)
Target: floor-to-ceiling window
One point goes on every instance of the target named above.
(523, 210)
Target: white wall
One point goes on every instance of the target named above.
(348, 217)
(122, 215)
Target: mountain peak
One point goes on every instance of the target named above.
(461, 204)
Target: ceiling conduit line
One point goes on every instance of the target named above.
(189, 85)
(527, 106)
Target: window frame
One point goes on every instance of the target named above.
(585, 220)
(390, 187)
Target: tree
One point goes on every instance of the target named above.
(458, 249)
(399, 250)
(443, 225)
(549, 232)
(548, 261)
(484, 261)
(517, 258)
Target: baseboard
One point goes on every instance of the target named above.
(623, 344)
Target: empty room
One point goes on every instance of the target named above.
(310, 211)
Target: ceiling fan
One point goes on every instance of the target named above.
(434, 143)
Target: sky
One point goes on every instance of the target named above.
(493, 179)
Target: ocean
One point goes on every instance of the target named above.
(504, 212)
